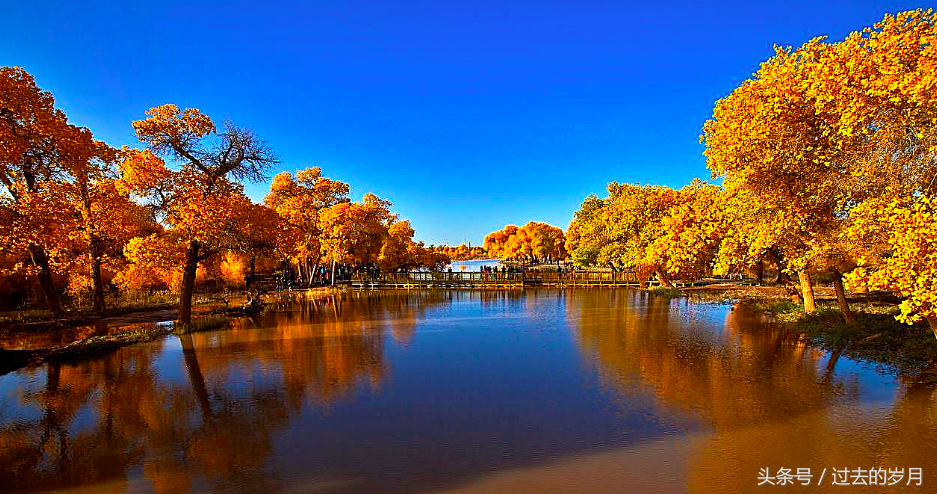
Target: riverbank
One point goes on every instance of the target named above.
(131, 327)
(876, 337)
(93, 346)
(41, 320)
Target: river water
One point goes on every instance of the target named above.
(541, 391)
(473, 265)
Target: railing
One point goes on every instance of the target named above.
(580, 277)
(434, 277)
(478, 278)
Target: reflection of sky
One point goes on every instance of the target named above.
(12, 387)
(874, 384)
(169, 364)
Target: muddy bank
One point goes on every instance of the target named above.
(14, 359)
(79, 339)
(131, 315)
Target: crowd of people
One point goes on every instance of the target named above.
(290, 278)
(500, 270)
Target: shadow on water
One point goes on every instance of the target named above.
(468, 391)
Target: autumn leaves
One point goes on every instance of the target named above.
(649, 230)
(827, 158)
(531, 242)
(830, 144)
(172, 212)
(60, 208)
(320, 225)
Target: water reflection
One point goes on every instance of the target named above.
(748, 371)
(485, 391)
(769, 399)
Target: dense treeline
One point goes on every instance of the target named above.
(533, 242)
(648, 230)
(77, 215)
(460, 252)
(827, 161)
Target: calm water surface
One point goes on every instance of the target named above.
(474, 265)
(513, 391)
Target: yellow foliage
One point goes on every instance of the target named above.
(533, 240)
(909, 267)
(233, 267)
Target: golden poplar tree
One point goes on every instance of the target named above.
(31, 135)
(200, 201)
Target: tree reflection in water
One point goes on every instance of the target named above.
(93, 422)
(767, 398)
(489, 381)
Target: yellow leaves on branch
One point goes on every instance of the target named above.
(142, 172)
(82, 206)
(167, 125)
(154, 260)
(910, 267)
(825, 149)
(299, 201)
(459, 252)
(30, 118)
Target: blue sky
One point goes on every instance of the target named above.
(467, 115)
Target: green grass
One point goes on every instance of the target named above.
(784, 309)
(666, 292)
(876, 337)
(206, 323)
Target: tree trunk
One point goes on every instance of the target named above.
(932, 321)
(760, 272)
(778, 264)
(834, 357)
(96, 282)
(780, 277)
(831, 365)
(848, 316)
(188, 283)
(332, 279)
(806, 287)
(664, 281)
(40, 260)
(249, 278)
(196, 379)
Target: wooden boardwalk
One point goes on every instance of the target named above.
(438, 279)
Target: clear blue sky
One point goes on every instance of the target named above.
(467, 115)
